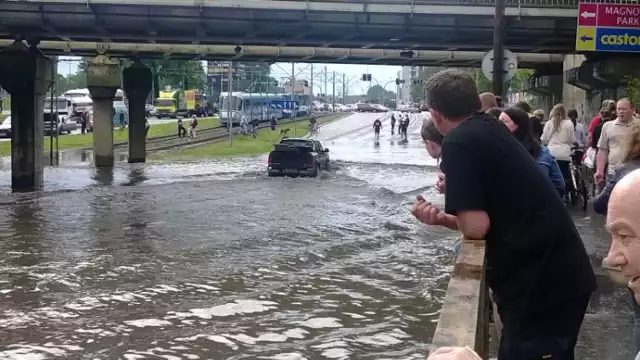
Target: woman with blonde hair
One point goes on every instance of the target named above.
(559, 136)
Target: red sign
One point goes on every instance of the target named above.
(587, 14)
(609, 15)
(614, 15)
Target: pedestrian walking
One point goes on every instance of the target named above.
(182, 132)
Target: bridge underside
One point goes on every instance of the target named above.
(285, 54)
(87, 21)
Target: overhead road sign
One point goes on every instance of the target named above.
(608, 27)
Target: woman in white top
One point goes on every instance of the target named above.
(559, 136)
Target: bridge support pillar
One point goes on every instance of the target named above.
(137, 84)
(103, 80)
(25, 73)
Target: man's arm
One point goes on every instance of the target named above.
(601, 160)
(474, 225)
(603, 149)
(464, 195)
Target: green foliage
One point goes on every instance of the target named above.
(417, 92)
(179, 74)
(379, 94)
(633, 90)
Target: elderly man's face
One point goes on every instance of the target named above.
(623, 223)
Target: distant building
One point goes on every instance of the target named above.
(246, 76)
(301, 87)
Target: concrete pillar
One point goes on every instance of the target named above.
(137, 82)
(25, 72)
(573, 97)
(102, 129)
(103, 80)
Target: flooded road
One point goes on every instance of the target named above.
(213, 260)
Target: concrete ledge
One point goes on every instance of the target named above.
(486, 8)
(464, 317)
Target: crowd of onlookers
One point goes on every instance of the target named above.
(504, 173)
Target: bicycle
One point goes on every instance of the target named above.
(578, 176)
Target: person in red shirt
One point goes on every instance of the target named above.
(606, 104)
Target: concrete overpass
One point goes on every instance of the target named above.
(544, 26)
(284, 54)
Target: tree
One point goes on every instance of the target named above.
(417, 92)
(633, 90)
(379, 94)
(517, 83)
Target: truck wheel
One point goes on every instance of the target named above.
(315, 170)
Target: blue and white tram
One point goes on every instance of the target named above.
(253, 106)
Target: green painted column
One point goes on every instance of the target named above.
(25, 73)
(137, 84)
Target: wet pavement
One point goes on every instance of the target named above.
(214, 260)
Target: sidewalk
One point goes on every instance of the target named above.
(607, 330)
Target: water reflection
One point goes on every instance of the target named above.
(136, 176)
(103, 176)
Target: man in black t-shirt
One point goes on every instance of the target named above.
(376, 128)
(537, 265)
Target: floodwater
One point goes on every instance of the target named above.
(213, 260)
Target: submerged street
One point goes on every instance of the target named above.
(214, 260)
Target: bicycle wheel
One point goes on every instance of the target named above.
(580, 189)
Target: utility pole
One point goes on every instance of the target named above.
(312, 97)
(325, 82)
(333, 97)
(293, 80)
(344, 88)
(229, 98)
(498, 49)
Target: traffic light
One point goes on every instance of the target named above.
(418, 82)
(397, 81)
(366, 77)
(305, 83)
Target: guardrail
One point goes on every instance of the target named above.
(464, 317)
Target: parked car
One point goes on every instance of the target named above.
(298, 157)
(60, 124)
(5, 127)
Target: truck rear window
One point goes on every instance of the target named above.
(298, 144)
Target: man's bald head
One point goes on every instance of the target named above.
(626, 194)
(488, 101)
(623, 223)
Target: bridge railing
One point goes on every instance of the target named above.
(464, 317)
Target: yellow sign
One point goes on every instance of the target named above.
(586, 38)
